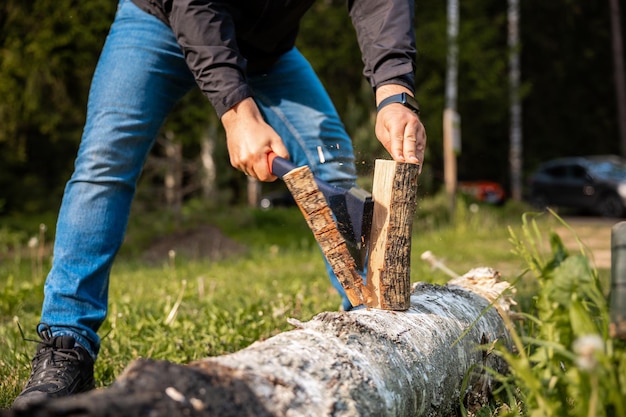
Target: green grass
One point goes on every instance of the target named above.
(226, 304)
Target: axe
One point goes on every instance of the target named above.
(352, 209)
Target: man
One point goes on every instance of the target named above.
(242, 56)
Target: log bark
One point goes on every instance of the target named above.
(319, 217)
(367, 362)
(617, 295)
(389, 262)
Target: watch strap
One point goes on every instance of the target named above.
(403, 98)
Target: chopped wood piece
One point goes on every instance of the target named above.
(319, 217)
(389, 263)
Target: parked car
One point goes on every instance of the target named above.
(483, 191)
(591, 183)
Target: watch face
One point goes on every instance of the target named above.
(411, 102)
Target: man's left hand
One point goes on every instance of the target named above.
(399, 129)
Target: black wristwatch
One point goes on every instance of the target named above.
(403, 98)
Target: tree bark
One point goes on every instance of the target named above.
(367, 362)
(515, 102)
(208, 164)
(618, 71)
(173, 174)
(253, 191)
(451, 118)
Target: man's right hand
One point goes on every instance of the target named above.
(250, 139)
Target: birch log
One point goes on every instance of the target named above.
(367, 362)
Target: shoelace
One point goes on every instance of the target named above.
(47, 352)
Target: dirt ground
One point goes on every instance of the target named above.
(206, 241)
(595, 234)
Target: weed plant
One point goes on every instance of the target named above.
(564, 363)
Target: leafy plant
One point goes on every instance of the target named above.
(564, 363)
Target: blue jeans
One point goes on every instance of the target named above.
(139, 77)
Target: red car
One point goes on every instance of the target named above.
(484, 191)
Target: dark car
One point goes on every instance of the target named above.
(591, 183)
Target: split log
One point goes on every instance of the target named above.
(389, 264)
(319, 217)
(367, 362)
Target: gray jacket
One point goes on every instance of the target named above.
(225, 40)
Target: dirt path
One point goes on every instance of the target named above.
(594, 233)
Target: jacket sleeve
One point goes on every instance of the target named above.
(205, 31)
(387, 40)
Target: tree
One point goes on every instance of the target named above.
(482, 89)
(515, 130)
(569, 105)
(618, 71)
(48, 50)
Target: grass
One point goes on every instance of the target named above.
(185, 309)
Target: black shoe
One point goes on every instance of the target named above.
(61, 367)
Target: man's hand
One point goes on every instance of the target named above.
(250, 139)
(398, 128)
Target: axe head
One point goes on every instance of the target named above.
(352, 209)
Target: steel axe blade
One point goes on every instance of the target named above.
(352, 209)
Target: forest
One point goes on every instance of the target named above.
(48, 51)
